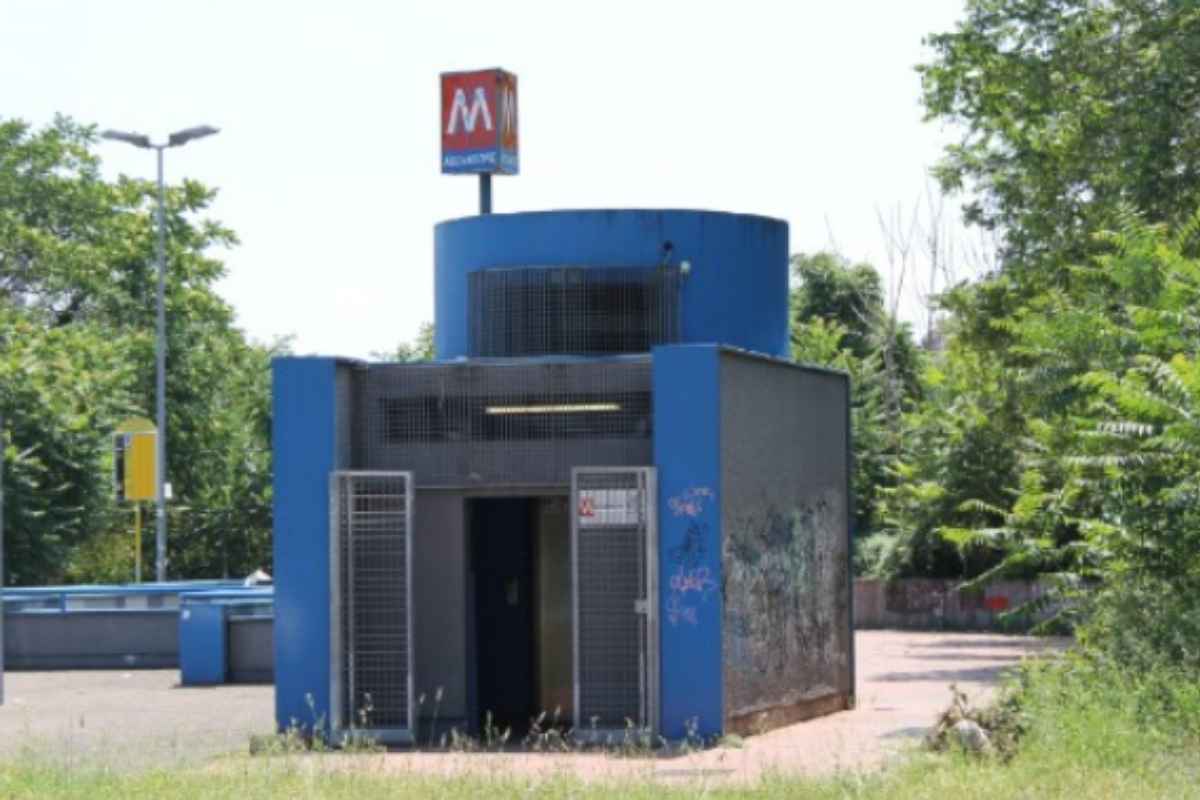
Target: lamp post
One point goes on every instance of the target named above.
(177, 139)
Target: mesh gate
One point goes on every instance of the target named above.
(371, 575)
(614, 546)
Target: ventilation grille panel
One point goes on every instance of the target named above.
(505, 423)
(572, 310)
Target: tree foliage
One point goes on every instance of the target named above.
(77, 309)
(1076, 368)
(419, 349)
(831, 288)
(839, 320)
(1069, 110)
(1109, 489)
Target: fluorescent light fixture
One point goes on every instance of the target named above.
(558, 408)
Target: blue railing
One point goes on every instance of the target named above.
(243, 601)
(115, 597)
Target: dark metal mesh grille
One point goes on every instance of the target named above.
(373, 519)
(611, 575)
(572, 310)
(501, 423)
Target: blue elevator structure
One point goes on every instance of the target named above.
(610, 498)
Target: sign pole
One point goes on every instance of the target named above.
(485, 193)
(137, 542)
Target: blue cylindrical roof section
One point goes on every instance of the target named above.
(735, 292)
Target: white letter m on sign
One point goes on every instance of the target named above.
(469, 116)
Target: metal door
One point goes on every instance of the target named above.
(614, 569)
(371, 586)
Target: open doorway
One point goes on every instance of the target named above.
(520, 565)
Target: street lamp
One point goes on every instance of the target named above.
(176, 139)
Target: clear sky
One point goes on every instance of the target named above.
(327, 162)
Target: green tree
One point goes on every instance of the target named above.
(831, 288)
(839, 320)
(420, 349)
(59, 387)
(1111, 466)
(960, 453)
(77, 282)
(1069, 110)
(1076, 116)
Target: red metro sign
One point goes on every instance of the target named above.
(479, 122)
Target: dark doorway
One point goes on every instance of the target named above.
(502, 559)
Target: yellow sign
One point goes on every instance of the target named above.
(134, 462)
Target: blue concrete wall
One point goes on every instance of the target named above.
(304, 442)
(687, 439)
(736, 292)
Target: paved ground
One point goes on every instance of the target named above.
(144, 717)
(903, 683)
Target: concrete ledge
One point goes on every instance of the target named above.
(778, 716)
(117, 639)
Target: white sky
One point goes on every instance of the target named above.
(327, 162)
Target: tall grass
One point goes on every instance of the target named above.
(1090, 730)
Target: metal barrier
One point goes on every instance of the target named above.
(131, 626)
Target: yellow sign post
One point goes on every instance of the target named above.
(135, 473)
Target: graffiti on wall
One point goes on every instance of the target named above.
(691, 583)
(691, 502)
(786, 602)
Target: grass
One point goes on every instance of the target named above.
(1087, 733)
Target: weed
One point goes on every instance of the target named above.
(494, 738)
(635, 741)
(549, 737)
(437, 707)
